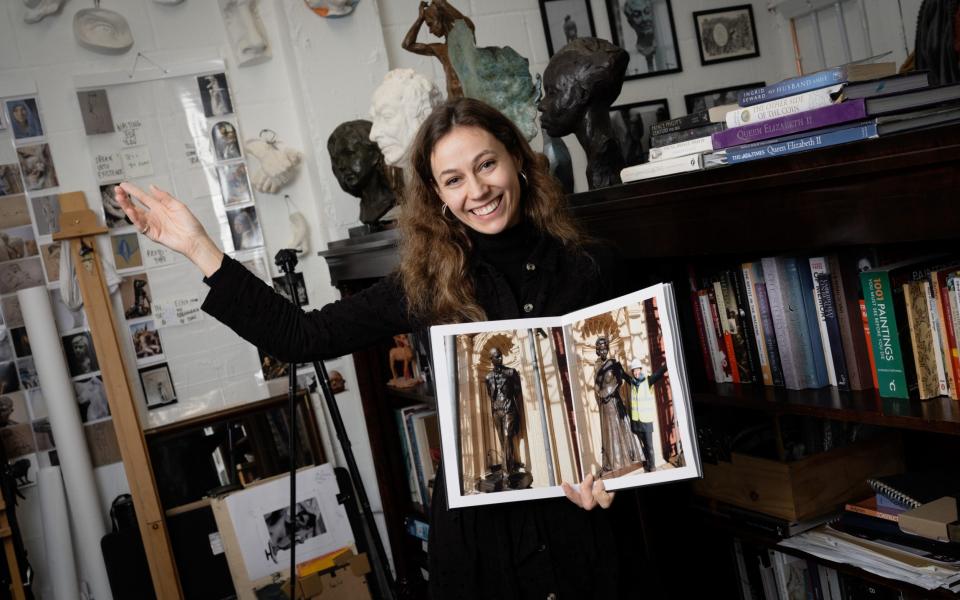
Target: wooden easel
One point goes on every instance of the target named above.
(79, 225)
(16, 584)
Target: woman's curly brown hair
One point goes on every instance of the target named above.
(435, 248)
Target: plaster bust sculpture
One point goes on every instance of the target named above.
(498, 76)
(580, 82)
(245, 31)
(399, 106)
(358, 166)
(439, 17)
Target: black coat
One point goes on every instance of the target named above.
(504, 551)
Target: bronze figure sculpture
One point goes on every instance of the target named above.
(358, 166)
(439, 17)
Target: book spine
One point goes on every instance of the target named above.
(943, 386)
(802, 144)
(683, 135)
(886, 516)
(789, 105)
(408, 455)
(766, 320)
(415, 453)
(756, 324)
(804, 321)
(953, 300)
(778, 303)
(718, 297)
(833, 332)
(878, 295)
(920, 339)
(685, 122)
(790, 124)
(865, 322)
(818, 270)
(949, 334)
(660, 168)
(716, 355)
(790, 87)
(745, 335)
(847, 307)
(686, 148)
(701, 329)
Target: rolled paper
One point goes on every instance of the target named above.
(61, 566)
(77, 468)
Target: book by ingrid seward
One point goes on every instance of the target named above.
(527, 404)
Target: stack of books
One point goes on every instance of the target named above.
(831, 107)
(855, 320)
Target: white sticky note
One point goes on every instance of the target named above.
(130, 132)
(136, 161)
(216, 544)
(109, 167)
(177, 311)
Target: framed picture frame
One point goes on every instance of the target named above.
(564, 21)
(631, 124)
(725, 34)
(157, 386)
(645, 29)
(703, 100)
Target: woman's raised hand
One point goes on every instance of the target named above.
(589, 493)
(167, 221)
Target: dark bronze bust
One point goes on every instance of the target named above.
(580, 83)
(358, 166)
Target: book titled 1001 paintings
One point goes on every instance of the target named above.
(527, 404)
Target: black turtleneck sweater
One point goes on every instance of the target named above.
(506, 551)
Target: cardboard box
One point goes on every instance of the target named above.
(931, 519)
(346, 581)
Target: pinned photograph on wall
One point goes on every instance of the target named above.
(113, 215)
(645, 29)
(725, 34)
(10, 182)
(13, 409)
(280, 284)
(6, 348)
(158, 386)
(36, 163)
(95, 109)
(27, 371)
(271, 367)
(126, 251)
(17, 242)
(135, 296)
(565, 21)
(20, 275)
(527, 404)
(14, 212)
(18, 440)
(146, 340)
(245, 228)
(226, 143)
(699, 101)
(11, 311)
(50, 255)
(234, 184)
(38, 405)
(215, 95)
(46, 214)
(43, 434)
(256, 263)
(21, 343)
(68, 319)
(24, 118)
(631, 124)
(102, 442)
(91, 398)
(81, 358)
(9, 382)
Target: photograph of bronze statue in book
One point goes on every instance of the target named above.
(626, 421)
(10, 182)
(513, 416)
(645, 29)
(700, 101)
(135, 296)
(631, 125)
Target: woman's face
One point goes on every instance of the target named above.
(477, 178)
(19, 113)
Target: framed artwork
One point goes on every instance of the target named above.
(725, 34)
(631, 124)
(157, 386)
(703, 100)
(565, 21)
(644, 28)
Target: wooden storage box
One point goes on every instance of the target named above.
(802, 489)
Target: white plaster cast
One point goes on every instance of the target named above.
(102, 30)
(332, 8)
(248, 39)
(278, 164)
(37, 10)
(398, 107)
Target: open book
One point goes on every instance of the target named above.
(527, 404)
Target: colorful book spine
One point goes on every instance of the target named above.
(789, 105)
(661, 168)
(713, 340)
(690, 121)
(756, 322)
(683, 135)
(776, 293)
(701, 328)
(829, 300)
(766, 320)
(846, 294)
(943, 386)
(921, 339)
(686, 148)
(818, 269)
(938, 284)
(793, 86)
(726, 329)
(895, 376)
(799, 144)
(865, 322)
(953, 299)
(745, 325)
(800, 288)
(817, 118)
(733, 302)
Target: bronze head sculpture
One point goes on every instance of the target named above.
(358, 166)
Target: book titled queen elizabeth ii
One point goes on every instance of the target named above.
(527, 404)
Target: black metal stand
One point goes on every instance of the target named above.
(286, 261)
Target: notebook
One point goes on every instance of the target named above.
(910, 490)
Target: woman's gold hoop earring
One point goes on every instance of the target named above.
(444, 211)
(523, 179)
